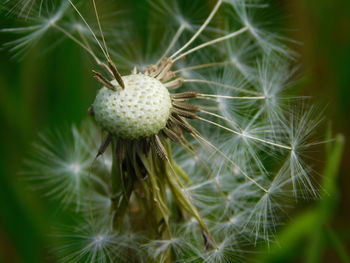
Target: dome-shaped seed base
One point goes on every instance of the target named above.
(140, 110)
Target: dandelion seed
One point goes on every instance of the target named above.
(96, 242)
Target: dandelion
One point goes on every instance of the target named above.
(199, 145)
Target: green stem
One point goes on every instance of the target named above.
(121, 188)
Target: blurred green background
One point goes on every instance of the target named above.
(36, 94)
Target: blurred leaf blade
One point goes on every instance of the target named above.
(337, 244)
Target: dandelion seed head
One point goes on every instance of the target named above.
(207, 102)
(142, 109)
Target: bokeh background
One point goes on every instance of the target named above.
(36, 95)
